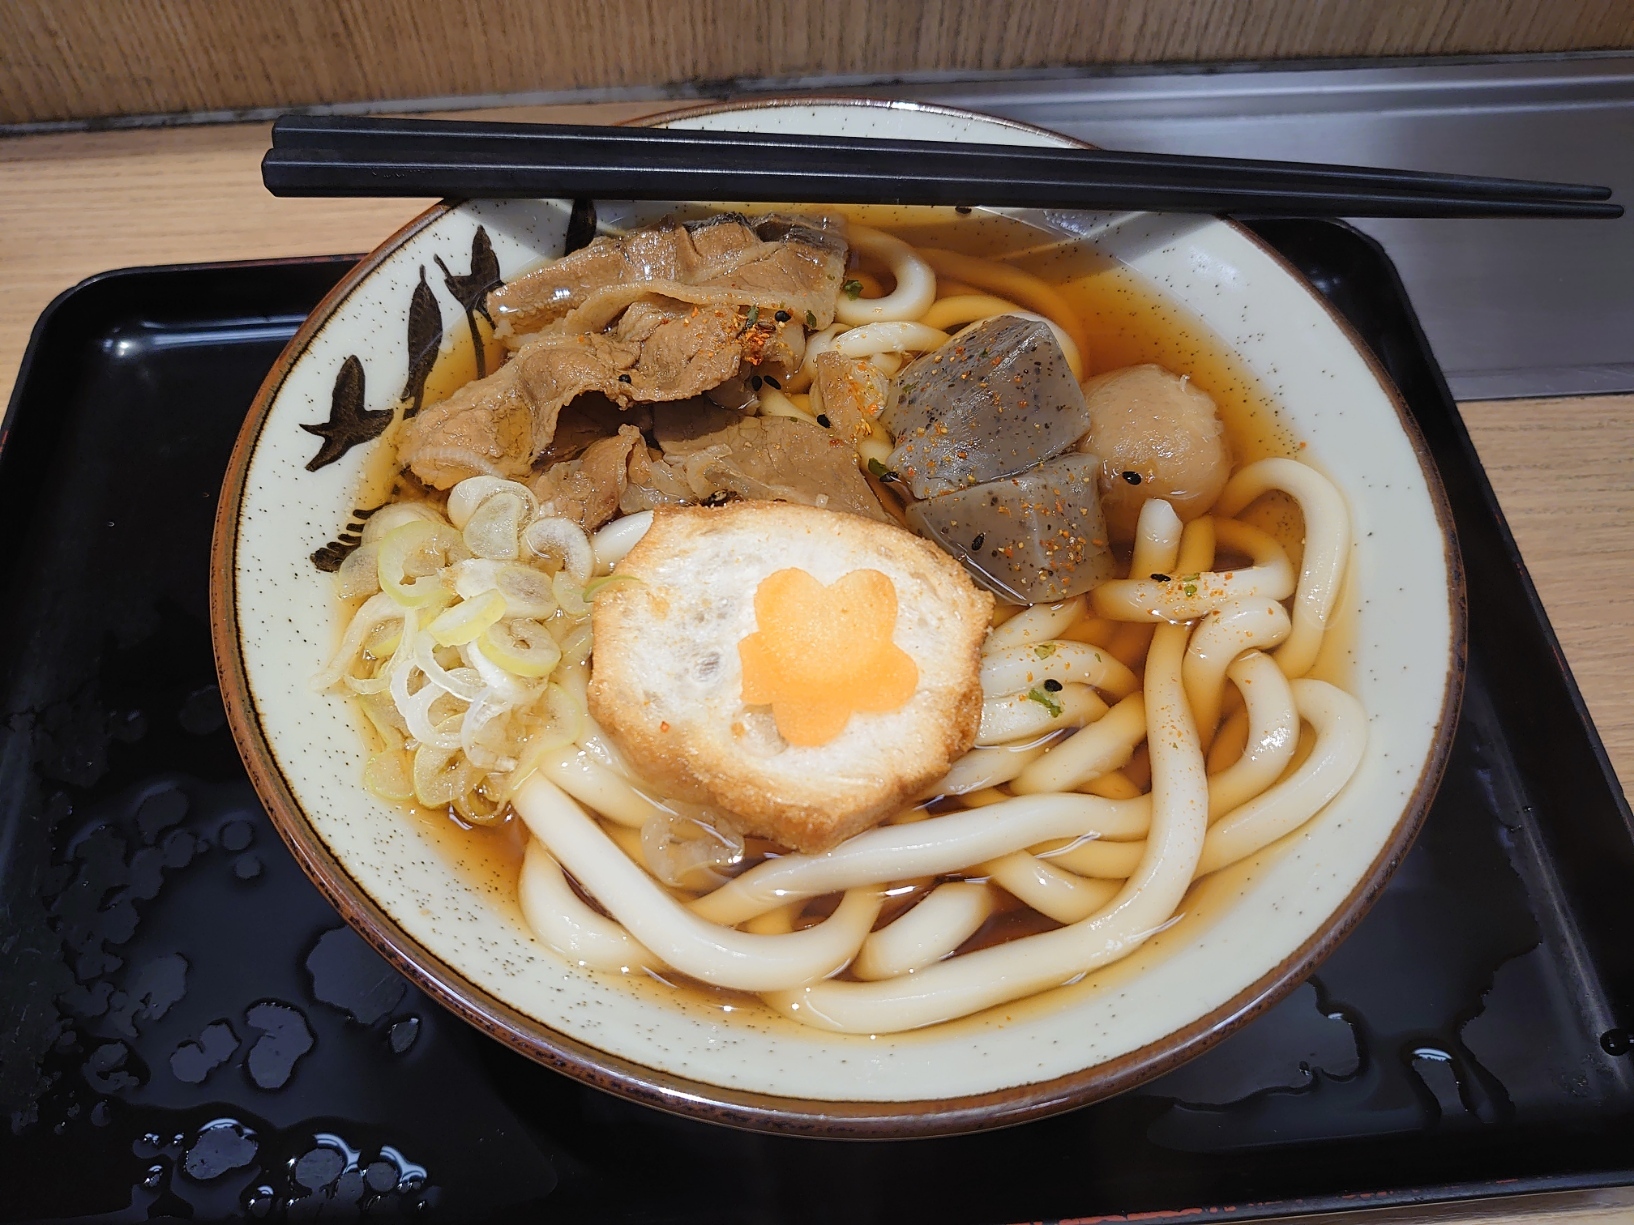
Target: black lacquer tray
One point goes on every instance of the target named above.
(188, 1030)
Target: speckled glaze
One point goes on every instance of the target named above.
(447, 917)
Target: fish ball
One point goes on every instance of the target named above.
(1159, 436)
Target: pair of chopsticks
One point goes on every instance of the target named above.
(358, 156)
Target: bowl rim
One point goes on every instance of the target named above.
(860, 1120)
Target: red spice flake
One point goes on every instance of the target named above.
(663, 725)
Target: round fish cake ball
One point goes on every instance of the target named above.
(1158, 436)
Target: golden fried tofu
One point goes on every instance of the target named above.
(805, 670)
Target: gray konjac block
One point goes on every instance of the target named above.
(1030, 538)
(996, 399)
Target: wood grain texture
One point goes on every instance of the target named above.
(1564, 474)
(74, 205)
(62, 59)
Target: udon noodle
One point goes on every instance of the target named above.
(1155, 730)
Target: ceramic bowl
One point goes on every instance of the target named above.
(440, 906)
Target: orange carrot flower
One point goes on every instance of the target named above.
(822, 654)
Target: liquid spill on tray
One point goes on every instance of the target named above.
(186, 1028)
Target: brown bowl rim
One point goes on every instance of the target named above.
(736, 1107)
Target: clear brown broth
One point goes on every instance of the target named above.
(1128, 321)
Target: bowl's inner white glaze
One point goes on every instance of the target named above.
(454, 895)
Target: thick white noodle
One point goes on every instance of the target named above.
(986, 767)
(376, 610)
(1022, 717)
(559, 917)
(1037, 624)
(958, 310)
(939, 923)
(1097, 858)
(1146, 903)
(1236, 626)
(774, 403)
(1018, 668)
(551, 536)
(1157, 539)
(598, 787)
(1327, 548)
(915, 282)
(898, 337)
(1060, 895)
(817, 343)
(1341, 738)
(1112, 739)
(1185, 597)
(1103, 746)
(778, 922)
(1273, 734)
(613, 542)
(680, 939)
(935, 846)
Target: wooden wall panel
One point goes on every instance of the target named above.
(72, 59)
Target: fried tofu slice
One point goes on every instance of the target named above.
(867, 629)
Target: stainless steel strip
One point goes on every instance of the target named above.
(1512, 307)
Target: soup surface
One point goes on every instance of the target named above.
(1189, 709)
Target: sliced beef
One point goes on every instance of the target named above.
(785, 264)
(587, 490)
(768, 459)
(584, 421)
(851, 393)
(659, 350)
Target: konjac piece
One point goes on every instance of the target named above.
(997, 398)
(1032, 538)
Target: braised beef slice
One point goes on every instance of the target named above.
(787, 264)
(850, 392)
(660, 350)
(766, 458)
(587, 490)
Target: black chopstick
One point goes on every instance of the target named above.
(378, 135)
(344, 156)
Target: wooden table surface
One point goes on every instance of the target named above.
(73, 205)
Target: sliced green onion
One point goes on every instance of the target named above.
(1047, 700)
(439, 775)
(527, 592)
(596, 586)
(390, 775)
(494, 530)
(410, 558)
(521, 646)
(465, 622)
(569, 595)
